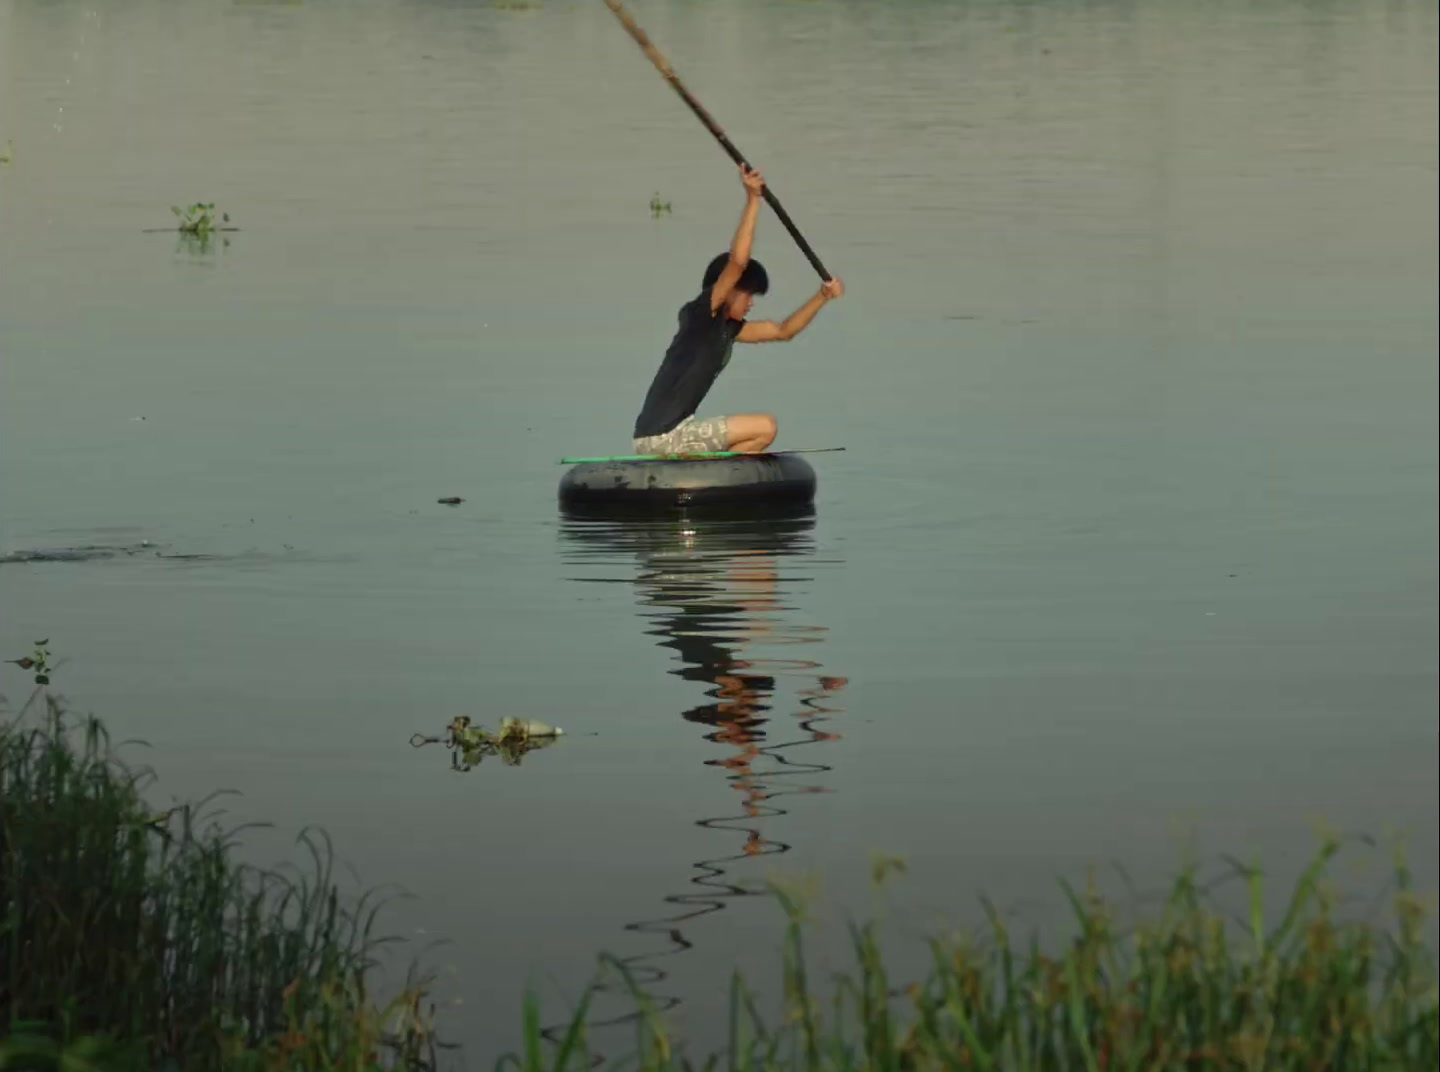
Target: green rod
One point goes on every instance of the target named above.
(693, 457)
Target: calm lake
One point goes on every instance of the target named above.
(1132, 547)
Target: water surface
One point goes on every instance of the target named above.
(1135, 534)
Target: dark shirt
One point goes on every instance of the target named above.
(697, 355)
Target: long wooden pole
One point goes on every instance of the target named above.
(705, 117)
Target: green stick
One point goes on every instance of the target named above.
(693, 457)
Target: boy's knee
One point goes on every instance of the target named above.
(752, 432)
(767, 430)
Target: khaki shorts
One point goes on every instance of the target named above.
(690, 436)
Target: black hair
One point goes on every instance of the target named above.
(753, 280)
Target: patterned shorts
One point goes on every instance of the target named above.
(688, 437)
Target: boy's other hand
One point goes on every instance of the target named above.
(832, 289)
(753, 180)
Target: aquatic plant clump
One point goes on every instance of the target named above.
(469, 744)
(201, 219)
(131, 938)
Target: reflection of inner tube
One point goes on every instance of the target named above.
(666, 485)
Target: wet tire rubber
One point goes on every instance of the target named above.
(679, 485)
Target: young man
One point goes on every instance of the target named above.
(710, 325)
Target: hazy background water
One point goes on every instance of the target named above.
(1135, 534)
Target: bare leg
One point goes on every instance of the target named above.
(751, 433)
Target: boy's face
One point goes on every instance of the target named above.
(738, 305)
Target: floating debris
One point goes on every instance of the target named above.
(450, 500)
(201, 219)
(470, 744)
(38, 660)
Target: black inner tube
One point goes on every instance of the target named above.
(687, 485)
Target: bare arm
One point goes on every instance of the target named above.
(741, 243)
(796, 322)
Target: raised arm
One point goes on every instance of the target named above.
(796, 322)
(744, 238)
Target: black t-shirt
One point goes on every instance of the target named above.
(697, 355)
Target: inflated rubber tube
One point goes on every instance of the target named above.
(682, 485)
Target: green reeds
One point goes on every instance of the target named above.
(1189, 990)
(131, 939)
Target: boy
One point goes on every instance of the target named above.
(710, 324)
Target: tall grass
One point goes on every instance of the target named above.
(1190, 988)
(131, 939)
